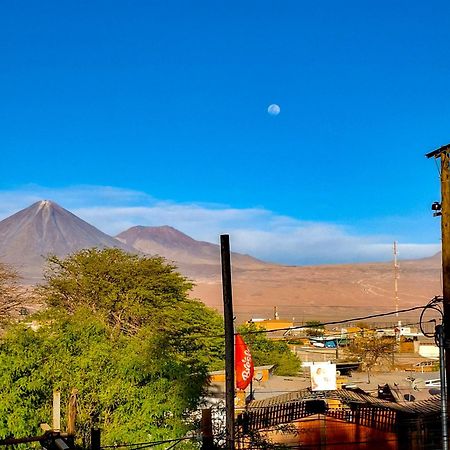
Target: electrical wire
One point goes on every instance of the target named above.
(435, 304)
(318, 325)
(140, 445)
(173, 445)
(337, 322)
(438, 167)
(349, 333)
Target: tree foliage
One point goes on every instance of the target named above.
(267, 351)
(314, 328)
(128, 290)
(138, 392)
(120, 329)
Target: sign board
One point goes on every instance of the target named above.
(323, 377)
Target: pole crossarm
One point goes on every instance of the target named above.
(438, 152)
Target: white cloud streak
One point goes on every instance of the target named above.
(255, 231)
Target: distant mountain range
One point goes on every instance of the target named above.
(325, 292)
(44, 228)
(196, 259)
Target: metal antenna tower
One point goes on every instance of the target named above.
(396, 267)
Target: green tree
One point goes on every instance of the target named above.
(120, 329)
(133, 291)
(268, 351)
(314, 328)
(128, 290)
(371, 350)
(363, 325)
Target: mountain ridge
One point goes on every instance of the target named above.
(198, 259)
(44, 228)
(305, 292)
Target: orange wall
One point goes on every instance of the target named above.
(318, 431)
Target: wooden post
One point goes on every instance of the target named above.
(207, 430)
(15, 441)
(56, 424)
(95, 432)
(229, 338)
(72, 412)
(95, 438)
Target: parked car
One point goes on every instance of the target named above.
(435, 382)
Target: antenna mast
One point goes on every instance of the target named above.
(396, 267)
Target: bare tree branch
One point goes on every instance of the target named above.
(11, 294)
(371, 349)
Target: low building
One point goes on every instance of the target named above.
(428, 350)
(343, 420)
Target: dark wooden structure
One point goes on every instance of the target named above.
(352, 418)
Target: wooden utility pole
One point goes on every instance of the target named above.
(445, 228)
(443, 209)
(229, 338)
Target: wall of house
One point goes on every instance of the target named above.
(321, 432)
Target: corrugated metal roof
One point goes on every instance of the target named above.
(424, 407)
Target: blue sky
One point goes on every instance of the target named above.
(155, 112)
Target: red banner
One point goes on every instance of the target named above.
(243, 363)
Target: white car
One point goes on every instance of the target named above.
(436, 382)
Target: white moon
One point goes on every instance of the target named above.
(274, 109)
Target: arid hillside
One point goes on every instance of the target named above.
(195, 259)
(327, 292)
(324, 293)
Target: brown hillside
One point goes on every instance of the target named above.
(327, 292)
(195, 259)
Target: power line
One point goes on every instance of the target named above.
(320, 324)
(140, 445)
(336, 322)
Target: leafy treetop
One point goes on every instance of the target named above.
(121, 330)
(128, 290)
(314, 328)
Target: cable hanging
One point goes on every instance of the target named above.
(336, 322)
(318, 325)
(141, 445)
